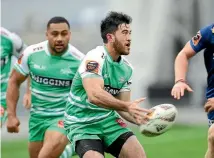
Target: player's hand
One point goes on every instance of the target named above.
(209, 106)
(13, 124)
(27, 100)
(139, 114)
(179, 88)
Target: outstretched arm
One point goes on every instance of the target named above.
(181, 67)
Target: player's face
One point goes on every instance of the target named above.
(58, 36)
(122, 41)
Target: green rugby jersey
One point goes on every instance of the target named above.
(11, 44)
(116, 76)
(51, 77)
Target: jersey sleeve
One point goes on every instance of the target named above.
(21, 64)
(18, 44)
(76, 53)
(92, 64)
(202, 39)
(127, 86)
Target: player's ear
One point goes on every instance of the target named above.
(46, 33)
(110, 37)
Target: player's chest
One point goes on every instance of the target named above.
(51, 67)
(114, 79)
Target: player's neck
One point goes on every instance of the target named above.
(114, 55)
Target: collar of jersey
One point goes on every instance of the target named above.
(49, 54)
(109, 58)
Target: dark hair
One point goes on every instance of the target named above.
(56, 20)
(111, 22)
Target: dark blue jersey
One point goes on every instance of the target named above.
(204, 39)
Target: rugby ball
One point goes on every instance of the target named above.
(160, 120)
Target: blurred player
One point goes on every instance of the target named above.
(204, 39)
(51, 65)
(100, 88)
(11, 45)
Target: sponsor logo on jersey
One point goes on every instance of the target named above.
(20, 59)
(92, 66)
(60, 124)
(65, 71)
(121, 122)
(38, 48)
(196, 38)
(112, 91)
(40, 67)
(122, 79)
(51, 81)
(106, 76)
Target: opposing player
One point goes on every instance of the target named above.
(204, 39)
(11, 45)
(100, 88)
(51, 65)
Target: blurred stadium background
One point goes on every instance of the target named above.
(160, 30)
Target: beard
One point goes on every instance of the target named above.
(59, 51)
(119, 48)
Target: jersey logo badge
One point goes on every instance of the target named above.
(121, 122)
(60, 124)
(92, 66)
(196, 38)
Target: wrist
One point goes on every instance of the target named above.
(181, 80)
(126, 106)
(9, 114)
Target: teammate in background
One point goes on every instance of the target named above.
(11, 45)
(51, 65)
(204, 39)
(100, 88)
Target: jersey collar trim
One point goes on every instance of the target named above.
(109, 58)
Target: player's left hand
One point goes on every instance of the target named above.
(209, 106)
(27, 100)
(179, 88)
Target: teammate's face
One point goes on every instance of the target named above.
(122, 40)
(58, 36)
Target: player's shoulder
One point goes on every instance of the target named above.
(38, 47)
(208, 29)
(127, 63)
(5, 32)
(73, 51)
(98, 53)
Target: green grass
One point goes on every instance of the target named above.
(179, 142)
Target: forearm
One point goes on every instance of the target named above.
(104, 99)
(181, 67)
(127, 116)
(12, 98)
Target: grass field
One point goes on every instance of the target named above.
(180, 142)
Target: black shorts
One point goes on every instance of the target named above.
(82, 146)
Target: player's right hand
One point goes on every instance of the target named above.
(13, 124)
(138, 113)
(179, 88)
